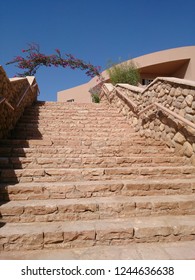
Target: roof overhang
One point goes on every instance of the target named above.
(165, 68)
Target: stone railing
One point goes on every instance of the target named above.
(15, 95)
(164, 110)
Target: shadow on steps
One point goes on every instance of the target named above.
(12, 150)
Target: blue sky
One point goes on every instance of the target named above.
(95, 31)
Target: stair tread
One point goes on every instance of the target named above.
(107, 224)
(142, 170)
(100, 182)
(101, 200)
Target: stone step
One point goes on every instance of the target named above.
(49, 122)
(66, 104)
(53, 141)
(83, 174)
(46, 104)
(74, 130)
(63, 134)
(89, 161)
(76, 151)
(68, 114)
(70, 234)
(60, 131)
(87, 189)
(65, 117)
(71, 126)
(74, 108)
(96, 208)
(34, 119)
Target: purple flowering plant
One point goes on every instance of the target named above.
(34, 59)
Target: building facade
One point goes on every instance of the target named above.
(178, 62)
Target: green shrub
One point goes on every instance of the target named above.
(95, 98)
(125, 72)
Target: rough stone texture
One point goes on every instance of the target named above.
(177, 95)
(188, 150)
(179, 138)
(12, 90)
(79, 175)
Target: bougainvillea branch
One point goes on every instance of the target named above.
(34, 59)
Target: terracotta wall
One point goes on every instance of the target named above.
(12, 90)
(80, 94)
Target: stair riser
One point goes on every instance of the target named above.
(93, 211)
(59, 127)
(57, 175)
(74, 190)
(67, 133)
(76, 151)
(77, 133)
(87, 141)
(74, 112)
(34, 163)
(92, 237)
(33, 122)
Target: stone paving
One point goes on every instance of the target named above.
(153, 251)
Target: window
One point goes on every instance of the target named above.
(146, 82)
(70, 100)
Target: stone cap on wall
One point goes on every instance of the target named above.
(30, 79)
(133, 88)
(172, 80)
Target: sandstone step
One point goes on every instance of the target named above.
(63, 134)
(88, 122)
(60, 112)
(34, 119)
(39, 133)
(86, 189)
(14, 236)
(83, 174)
(89, 161)
(82, 108)
(64, 116)
(76, 152)
(96, 208)
(96, 140)
(71, 114)
(45, 104)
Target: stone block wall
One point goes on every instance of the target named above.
(12, 90)
(177, 95)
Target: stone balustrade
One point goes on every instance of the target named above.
(13, 90)
(175, 94)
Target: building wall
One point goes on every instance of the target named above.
(79, 94)
(178, 62)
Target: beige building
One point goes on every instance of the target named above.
(178, 62)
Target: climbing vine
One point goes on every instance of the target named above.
(33, 59)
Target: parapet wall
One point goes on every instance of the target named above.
(17, 92)
(149, 111)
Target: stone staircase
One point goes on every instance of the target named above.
(75, 175)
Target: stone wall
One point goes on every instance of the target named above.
(12, 90)
(177, 95)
